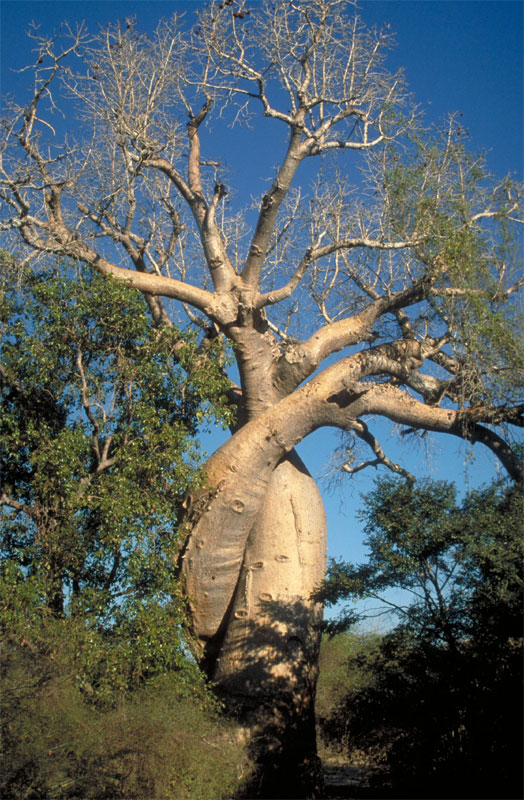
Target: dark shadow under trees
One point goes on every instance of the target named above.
(437, 709)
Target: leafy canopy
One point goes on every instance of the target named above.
(98, 423)
(446, 561)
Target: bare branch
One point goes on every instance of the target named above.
(21, 508)
(363, 432)
(314, 254)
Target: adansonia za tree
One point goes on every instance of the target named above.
(405, 269)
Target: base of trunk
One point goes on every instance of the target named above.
(283, 747)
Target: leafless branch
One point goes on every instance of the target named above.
(363, 432)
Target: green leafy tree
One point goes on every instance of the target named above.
(99, 418)
(98, 446)
(441, 707)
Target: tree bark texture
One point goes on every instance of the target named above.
(262, 648)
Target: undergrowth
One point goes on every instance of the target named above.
(154, 743)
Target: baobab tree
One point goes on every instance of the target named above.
(344, 295)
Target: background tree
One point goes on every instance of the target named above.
(97, 437)
(97, 441)
(99, 413)
(78, 437)
(439, 708)
(407, 271)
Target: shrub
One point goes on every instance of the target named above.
(153, 743)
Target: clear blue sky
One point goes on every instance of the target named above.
(458, 55)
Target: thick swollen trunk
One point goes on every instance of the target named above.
(266, 665)
(263, 653)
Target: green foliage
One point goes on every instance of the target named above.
(97, 441)
(440, 556)
(439, 707)
(339, 667)
(433, 723)
(155, 743)
(98, 425)
(442, 195)
(98, 445)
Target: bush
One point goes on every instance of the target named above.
(339, 671)
(153, 743)
(439, 706)
(433, 723)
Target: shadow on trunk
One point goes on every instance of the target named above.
(266, 674)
